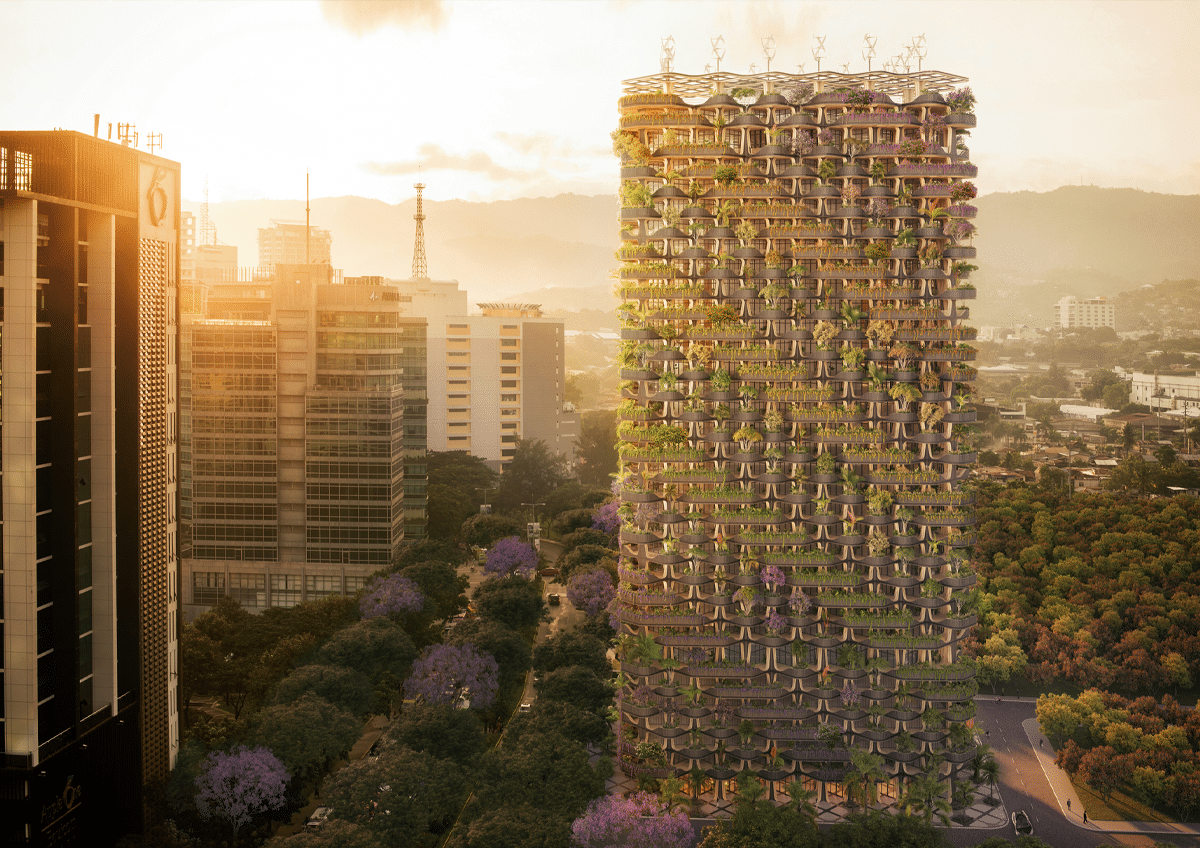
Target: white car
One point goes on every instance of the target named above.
(1021, 823)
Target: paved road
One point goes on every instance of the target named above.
(1024, 786)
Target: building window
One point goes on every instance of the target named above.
(355, 584)
(249, 590)
(322, 585)
(207, 587)
(285, 590)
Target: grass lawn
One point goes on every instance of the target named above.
(1118, 807)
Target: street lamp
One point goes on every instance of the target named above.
(533, 511)
(485, 490)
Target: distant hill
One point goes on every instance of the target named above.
(1034, 247)
(1169, 305)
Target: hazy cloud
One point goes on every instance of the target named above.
(362, 17)
(434, 158)
(547, 145)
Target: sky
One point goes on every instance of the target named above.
(492, 99)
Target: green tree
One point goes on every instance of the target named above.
(482, 531)
(513, 826)
(451, 553)
(333, 834)
(567, 648)
(513, 601)
(553, 716)
(307, 734)
(533, 472)
(545, 770)
(597, 447)
(1000, 658)
(441, 732)
(453, 490)
(399, 796)
(1134, 473)
(441, 583)
(344, 687)
(1058, 716)
(874, 829)
(586, 558)
(576, 685)
(506, 646)
(373, 648)
(863, 778)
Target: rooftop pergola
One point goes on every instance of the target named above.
(701, 86)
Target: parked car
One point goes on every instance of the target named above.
(318, 818)
(1021, 823)
(554, 599)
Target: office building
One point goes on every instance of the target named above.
(285, 243)
(89, 269)
(796, 375)
(495, 376)
(304, 409)
(1090, 313)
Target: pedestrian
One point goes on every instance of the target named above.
(987, 734)
(997, 699)
(1068, 805)
(1040, 741)
(1085, 816)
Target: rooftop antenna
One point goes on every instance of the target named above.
(419, 270)
(845, 67)
(800, 66)
(718, 50)
(666, 57)
(154, 140)
(208, 230)
(818, 52)
(125, 132)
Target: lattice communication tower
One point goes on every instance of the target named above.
(419, 270)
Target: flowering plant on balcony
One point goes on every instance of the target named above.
(961, 100)
(798, 94)
(850, 194)
(912, 149)
(773, 577)
(775, 624)
(849, 696)
(958, 229)
(826, 138)
(803, 142)
(747, 596)
(859, 99)
(962, 190)
(799, 603)
(876, 211)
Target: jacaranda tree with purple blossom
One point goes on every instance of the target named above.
(442, 673)
(637, 820)
(238, 785)
(392, 595)
(591, 591)
(511, 556)
(605, 518)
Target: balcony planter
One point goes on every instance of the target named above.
(720, 773)
(824, 191)
(852, 170)
(632, 538)
(878, 191)
(799, 119)
(718, 600)
(827, 150)
(877, 233)
(874, 561)
(640, 712)
(960, 119)
(634, 171)
(928, 233)
(904, 541)
(903, 212)
(635, 374)
(636, 212)
(718, 438)
(962, 252)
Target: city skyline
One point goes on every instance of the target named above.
(455, 74)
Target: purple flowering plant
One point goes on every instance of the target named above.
(772, 575)
(443, 673)
(511, 556)
(800, 603)
(958, 229)
(803, 142)
(849, 696)
(238, 785)
(775, 623)
(961, 100)
(637, 820)
(963, 190)
(605, 518)
(392, 595)
(877, 209)
(591, 591)
(826, 137)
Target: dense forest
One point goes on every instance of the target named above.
(1096, 591)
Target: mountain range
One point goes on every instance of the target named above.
(1034, 247)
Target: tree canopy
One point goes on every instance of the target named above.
(533, 473)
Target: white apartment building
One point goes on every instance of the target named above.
(494, 377)
(1091, 313)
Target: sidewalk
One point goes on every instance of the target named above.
(1060, 785)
